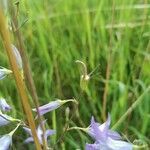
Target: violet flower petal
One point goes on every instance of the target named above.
(5, 142)
(49, 107)
(49, 133)
(105, 126)
(97, 146)
(52, 106)
(39, 133)
(110, 144)
(4, 119)
(92, 147)
(98, 131)
(118, 145)
(28, 140)
(114, 135)
(17, 57)
(39, 128)
(3, 105)
(28, 130)
(101, 131)
(95, 131)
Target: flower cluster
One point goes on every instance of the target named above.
(6, 140)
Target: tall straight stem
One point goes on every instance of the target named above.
(108, 69)
(19, 81)
(26, 68)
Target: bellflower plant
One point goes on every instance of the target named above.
(3, 105)
(39, 133)
(52, 106)
(4, 72)
(105, 139)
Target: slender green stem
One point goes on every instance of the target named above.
(12, 132)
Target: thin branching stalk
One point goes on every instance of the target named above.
(26, 66)
(66, 125)
(19, 81)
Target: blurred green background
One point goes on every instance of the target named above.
(113, 35)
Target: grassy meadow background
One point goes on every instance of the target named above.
(113, 35)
